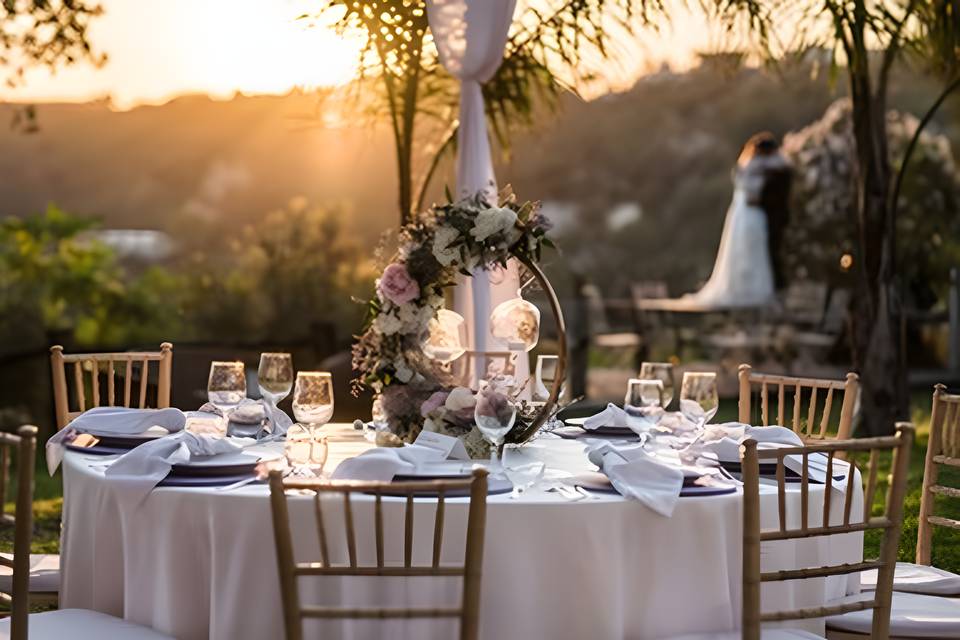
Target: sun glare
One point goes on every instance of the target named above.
(263, 48)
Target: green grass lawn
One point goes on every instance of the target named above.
(946, 542)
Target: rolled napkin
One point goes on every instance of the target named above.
(137, 472)
(382, 463)
(111, 420)
(614, 416)
(636, 474)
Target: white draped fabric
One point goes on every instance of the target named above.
(199, 563)
(470, 36)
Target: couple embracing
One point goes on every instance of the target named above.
(749, 267)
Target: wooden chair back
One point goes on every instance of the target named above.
(889, 523)
(294, 612)
(812, 424)
(18, 600)
(88, 391)
(943, 449)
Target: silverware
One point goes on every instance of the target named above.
(566, 492)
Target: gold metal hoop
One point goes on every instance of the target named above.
(522, 435)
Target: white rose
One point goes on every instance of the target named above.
(387, 324)
(493, 221)
(460, 398)
(409, 315)
(430, 425)
(442, 251)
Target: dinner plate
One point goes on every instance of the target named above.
(597, 481)
(609, 430)
(575, 433)
(495, 485)
(150, 434)
(97, 449)
(221, 464)
(768, 470)
(203, 481)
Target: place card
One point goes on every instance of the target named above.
(450, 447)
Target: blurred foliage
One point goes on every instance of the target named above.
(928, 224)
(48, 33)
(280, 277)
(294, 268)
(56, 277)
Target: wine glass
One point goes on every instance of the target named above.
(662, 371)
(275, 379)
(305, 452)
(313, 398)
(226, 387)
(495, 415)
(699, 399)
(545, 375)
(523, 471)
(643, 394)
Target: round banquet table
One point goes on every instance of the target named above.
(200, 563)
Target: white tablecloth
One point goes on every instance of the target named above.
(198, 563)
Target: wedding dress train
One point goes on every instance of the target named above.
(742, 274)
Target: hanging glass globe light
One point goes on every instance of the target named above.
(516, 323)
(447, 339)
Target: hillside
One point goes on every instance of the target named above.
(199, 168)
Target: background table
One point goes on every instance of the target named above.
(198, 563)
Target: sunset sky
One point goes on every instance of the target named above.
(158, 50)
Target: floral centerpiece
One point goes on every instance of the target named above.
(413, 390)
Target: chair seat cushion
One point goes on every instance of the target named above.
(80, 624)
(44, 573)
(917, 578)
(912, 615)
(766, 634)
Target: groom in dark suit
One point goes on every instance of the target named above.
(775, 202)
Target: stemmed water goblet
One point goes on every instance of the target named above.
(305, 452)
(313, 399)
(495, 414)
(275, 379)
(699, 399)
(544, 378)
(662, 371)
(643, 395)
(226, 387)
(521, 470)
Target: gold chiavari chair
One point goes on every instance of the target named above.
(784, 390)
(50, 625)
(87, 379)
(294, 613)
(943, 450)
(889, 523)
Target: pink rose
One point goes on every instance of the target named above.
(433, 403)
(397, 286)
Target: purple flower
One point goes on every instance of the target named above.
(397, 286)
(433, 403)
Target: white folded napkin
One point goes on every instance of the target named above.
(676, 422)
(382, 463)
(111, 420)
(614, 416)
(723, 441)
(636, 474)
(137, 472)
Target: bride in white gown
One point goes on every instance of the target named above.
(742, 274)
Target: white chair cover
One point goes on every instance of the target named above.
(470, 36)
(917, 578)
